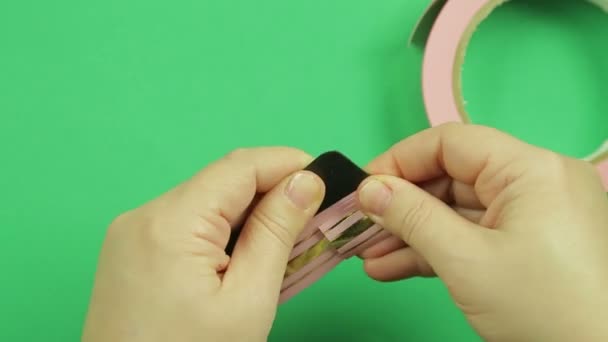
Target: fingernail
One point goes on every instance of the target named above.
(303, 190)
(375, 197)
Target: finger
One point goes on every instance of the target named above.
(424, 222)
(471, 154)
(400, 264)
(394, 243)
(453, 192)
(472, 215)
(383, 247)
(227, 187)
(262, 252)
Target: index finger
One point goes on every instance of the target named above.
(228, 186)
(461, 151)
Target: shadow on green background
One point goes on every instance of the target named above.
(106, 104)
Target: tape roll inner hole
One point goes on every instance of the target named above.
(537, 69)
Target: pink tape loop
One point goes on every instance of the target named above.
(439, 67)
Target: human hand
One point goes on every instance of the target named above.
(518, 234)
(163, 272)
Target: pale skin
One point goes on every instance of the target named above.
(518, 234)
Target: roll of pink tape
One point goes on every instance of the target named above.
(446, 29)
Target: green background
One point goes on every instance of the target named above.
(105, 104)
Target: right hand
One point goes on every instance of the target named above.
(518, 234)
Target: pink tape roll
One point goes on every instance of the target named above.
(444, 53)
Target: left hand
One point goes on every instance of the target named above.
(163, 272)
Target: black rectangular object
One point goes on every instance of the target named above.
(339, 174)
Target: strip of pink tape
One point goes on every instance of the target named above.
(444, 50)
(327, 225)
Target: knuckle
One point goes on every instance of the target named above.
(451, 129)
(585, 167)
(451, 126)
(553, 160)
(136, 229)
(119, 224)
(488, 130)
(583, 171)
(272, 224)
(237, 154)
(414, 218)
(552, 167)
(157, 227)
(149, 228)
(212, 227)
(146, 228)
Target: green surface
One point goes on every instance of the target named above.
(105, 104)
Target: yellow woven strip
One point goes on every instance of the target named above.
(324, 245)
(301, 260)
(352, 232)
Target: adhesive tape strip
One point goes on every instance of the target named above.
(313, 253)
(445, 30)
(336, 234)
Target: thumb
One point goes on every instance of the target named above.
(424, 222)
(261, 254)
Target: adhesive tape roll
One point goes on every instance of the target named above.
(445, 30)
